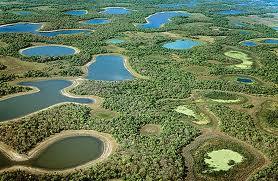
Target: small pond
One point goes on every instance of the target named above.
(244, 80)
(115, 41)
(270, 41)
(249, 43)
(181, 44)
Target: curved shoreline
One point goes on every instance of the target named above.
(42, 26)
(96, 101)
(76, 50)
(125, 62)
(169, 19)
(110, 145)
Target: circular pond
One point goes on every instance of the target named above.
(181, 44)
(49, 51)
(69, 152)
(23, 13)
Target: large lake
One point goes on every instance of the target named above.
(35, 27)
(158, 19)
(49, 94)
(108, 68)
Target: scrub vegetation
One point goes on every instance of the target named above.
(162, 119)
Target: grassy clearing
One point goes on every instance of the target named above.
(17, 66)
(201, 118)
(151, 129)
(246, 60)
(226, 101)
(222, 159)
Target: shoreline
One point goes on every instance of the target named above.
(76, 50)
(125, 62)
(110, 146)
(161, 25)
(96, 101)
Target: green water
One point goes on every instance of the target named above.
(4, 161)
(68, 153)
(223, 159)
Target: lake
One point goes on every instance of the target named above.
(181, 44)
(35, 27)
(49, 95)
(108, 68)
(249, 43)
(49, 51)
(245, 80)
(115, 11)
(68, 153)
(270, 41)
(158, 19)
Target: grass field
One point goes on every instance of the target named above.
(246, 60)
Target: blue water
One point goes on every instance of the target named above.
(23, 13)
(108, 68)
(49, 94)
(158, 19)
(244, 80)
(249, 43)
(48, 51)
(33, 28)
(230, 12)
(270, 41)
(97, 21)
(20, 28)
(76, 12)
(275, 28)
(115, 10)
(115, 41)
(181, 44)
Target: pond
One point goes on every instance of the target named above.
(115, 11)
(49, 51)
(158, 19)
(23, 13)
(115, 41)
(68, 153)
(76, 12)
(270, 41)
(108, 68)
(245, 80)
(35, 27)
(249, 43)
(96, 21)
(222, 160)
(49, 95)
(181, 44)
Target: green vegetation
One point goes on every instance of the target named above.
(151, 117)
(246, 63)
(222, 160)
